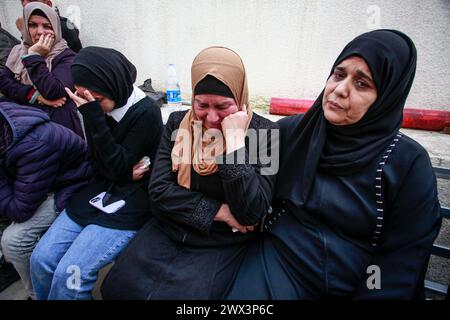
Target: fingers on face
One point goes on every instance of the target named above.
(70, 93)
(88, 95)
(48, 40)
(73, 96)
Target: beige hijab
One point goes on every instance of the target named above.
(193, 146)
(14, 62)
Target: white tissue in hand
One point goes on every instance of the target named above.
(145, 162)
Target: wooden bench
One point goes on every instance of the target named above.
(438, 250)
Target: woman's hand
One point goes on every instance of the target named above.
(51, 103)
(140, 169)
(43, 46)
(224, 214)
(233, 129)
(79, 101)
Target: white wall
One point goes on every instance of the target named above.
(288, 46)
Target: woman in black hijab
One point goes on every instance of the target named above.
(101, 219)
(356, 209)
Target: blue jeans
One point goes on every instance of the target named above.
(66, 261)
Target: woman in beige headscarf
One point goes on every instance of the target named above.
(38, 69)
(209, 189)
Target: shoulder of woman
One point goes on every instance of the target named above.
(146, 106)
(175, 119)
(144, 110)
(408, 149)
(260, 122)
(408, 160)
(68, 55)
(14, 54)
(290, 121)
(147, 113)
(15, 50)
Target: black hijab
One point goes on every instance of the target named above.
(105, 71)
(311, 143)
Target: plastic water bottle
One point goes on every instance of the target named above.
(173, 89)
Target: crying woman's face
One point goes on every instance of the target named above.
(106, 104)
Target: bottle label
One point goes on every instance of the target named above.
(173, 96)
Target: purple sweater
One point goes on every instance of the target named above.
(49, 84)
(42, 157)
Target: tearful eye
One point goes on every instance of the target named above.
(361, 84)
(338, 75)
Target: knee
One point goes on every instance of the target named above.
(39, 261)
(13, 245)
(35, 260)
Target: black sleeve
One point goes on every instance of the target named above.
(119, 159)
(7, 42)
(170, 199)
(70, 33)
(248, 183)
(12, 88)
(50, 84)
(18, 200)
(412, 222)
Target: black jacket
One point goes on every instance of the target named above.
(7, 42)
(71, 34)
(346, 231)
(37, 156)
(187, 215)
(114, 149)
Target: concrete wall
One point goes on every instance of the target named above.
(288, 46)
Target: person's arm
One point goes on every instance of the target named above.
(177, 203)
(50, 84)
(412, 222)
(248, 193)
(13, 89)
(36, 169)
(119, 159)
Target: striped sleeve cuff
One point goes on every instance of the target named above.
(34, 97)
(28, 55)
